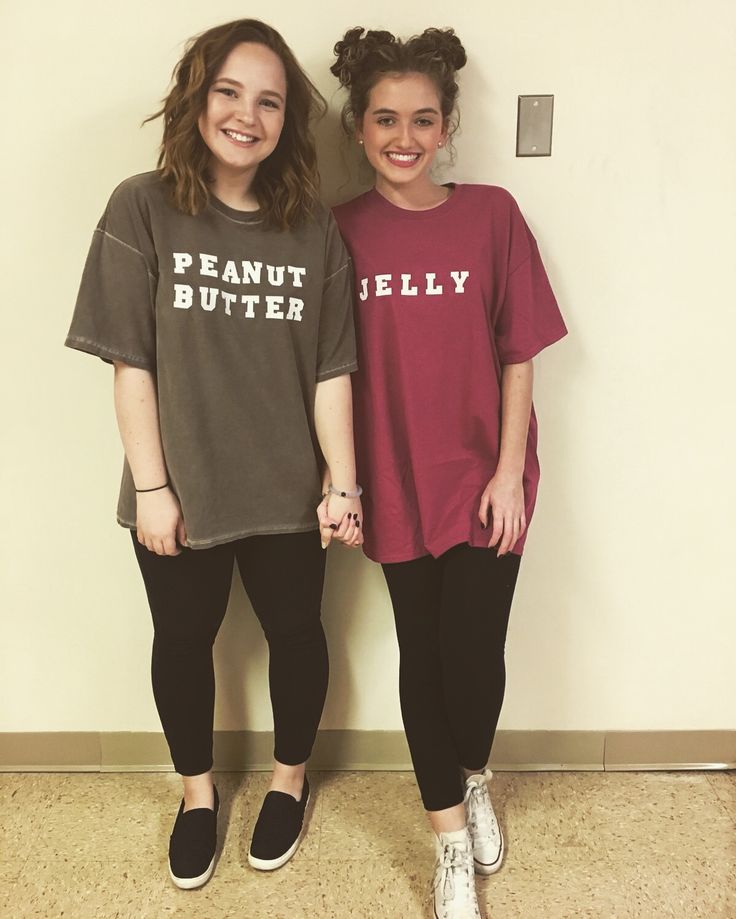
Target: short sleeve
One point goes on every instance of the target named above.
(114, 316)
(336, 347)
(529, 318)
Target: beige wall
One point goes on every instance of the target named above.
(624, 614)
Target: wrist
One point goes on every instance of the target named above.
(509, 472)
(342, 491)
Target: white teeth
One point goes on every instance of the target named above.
(403, 157)
(243, 138)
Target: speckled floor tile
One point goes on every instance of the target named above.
(368, 815)
(24, 799)
(696, 884)
(610, 813)
(70, 888)
(724, 786)
(603, 846)
(374, 887)
(289, 893)
(566, 883)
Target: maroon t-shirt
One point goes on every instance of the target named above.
(445, 297)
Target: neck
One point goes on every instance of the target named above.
(234, 187)
(414, 196)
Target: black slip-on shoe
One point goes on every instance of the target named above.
(278, 830)
(192, 846)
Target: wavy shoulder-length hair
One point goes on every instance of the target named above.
(286, 184)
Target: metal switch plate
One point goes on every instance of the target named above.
(534, 126)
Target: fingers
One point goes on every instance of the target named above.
(169, 546)
(497, 531)
(483, 510)
(181, 533)
(325, 534)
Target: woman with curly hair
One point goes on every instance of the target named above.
(453, 304)
(220, 290)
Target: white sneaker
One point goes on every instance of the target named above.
(454, 880)
(485, 833)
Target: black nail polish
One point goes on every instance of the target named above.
(483, 526)
(357, 523)
(333, 526)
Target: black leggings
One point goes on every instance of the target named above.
(283, 576)
(451, 616)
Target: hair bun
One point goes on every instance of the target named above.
(353, 49)
(442, 44)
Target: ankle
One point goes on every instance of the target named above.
(288, 779)
(199, 791)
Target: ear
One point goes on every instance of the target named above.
(359, 131)
(445, 133)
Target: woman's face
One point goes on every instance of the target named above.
(402, 128)
(244, 116)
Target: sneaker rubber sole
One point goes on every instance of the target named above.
(191, 883)
(271, 864)
(487, 870)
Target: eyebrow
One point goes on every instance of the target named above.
(419, 111)
(265, 92)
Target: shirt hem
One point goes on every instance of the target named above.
(213, 541)
(106, 354)
(413, 555)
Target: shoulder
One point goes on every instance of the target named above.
(138, 190)
(350, 210)
(137, 199)
(490, 196)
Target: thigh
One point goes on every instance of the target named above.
(415, 588)
(283, 575)
(187, 593)
(477, 591)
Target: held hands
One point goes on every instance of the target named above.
(159, 522)
(504, 498)
(342, 519)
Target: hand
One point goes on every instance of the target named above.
(159, 522)
(504, 496)
(340, 518)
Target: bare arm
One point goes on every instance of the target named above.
(333, 420)
(504, 494)
(159, 521)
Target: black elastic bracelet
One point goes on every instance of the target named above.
(142, 491)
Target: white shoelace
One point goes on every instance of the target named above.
(480, 812)
(455, 873)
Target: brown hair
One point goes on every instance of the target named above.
(362, 60)
(286, 184)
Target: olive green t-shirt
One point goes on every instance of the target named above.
(238, 323)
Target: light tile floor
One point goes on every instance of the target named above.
(608, 845)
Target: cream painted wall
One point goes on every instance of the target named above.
(624, 614)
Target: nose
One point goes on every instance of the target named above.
(404, 136)
(246, 111)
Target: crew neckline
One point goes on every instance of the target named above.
(234, 214)
(405, 213)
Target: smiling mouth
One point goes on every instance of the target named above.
(238, 137)
(402, 159)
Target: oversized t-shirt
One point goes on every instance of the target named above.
(238, 323)
(444, 298)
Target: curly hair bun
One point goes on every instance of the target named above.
(352, 51)
(442, 45)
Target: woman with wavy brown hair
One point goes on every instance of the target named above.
(220, 290)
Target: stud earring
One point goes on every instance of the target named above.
(360, 142)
